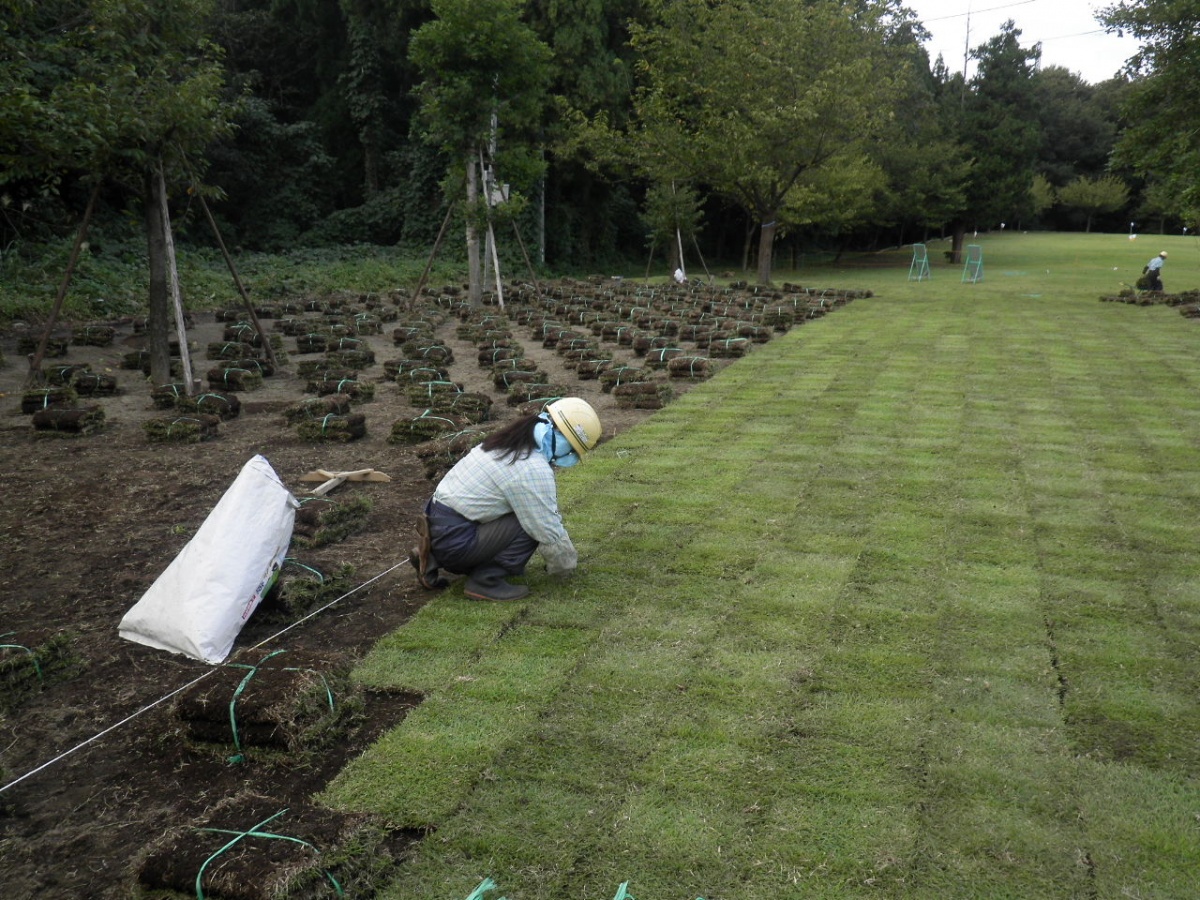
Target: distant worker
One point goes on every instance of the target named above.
(1153, 272)
(680, 277)
(499, 504)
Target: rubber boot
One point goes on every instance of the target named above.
(487, 583)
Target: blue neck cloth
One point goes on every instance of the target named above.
(553, 446)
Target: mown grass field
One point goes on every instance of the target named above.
(905, 604)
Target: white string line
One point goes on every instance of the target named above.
(194, 681)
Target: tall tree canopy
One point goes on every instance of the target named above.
(760, 100)
(1160, 141)
(484, 92)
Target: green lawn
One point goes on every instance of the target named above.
(905, 604)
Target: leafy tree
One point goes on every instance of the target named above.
(1159, 141)
(1043, 194)
(129, 92)
(758, 99)
(482, 99)
(1078, 131)
(592, 71)
(1093, 196)
(924, 165)
(995, 124)
(673, 217)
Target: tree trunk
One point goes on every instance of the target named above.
(766, 242)
(958, 239)
(158, 323)
(371, 154)
(746, 244)
(35, 376)
(474, 266)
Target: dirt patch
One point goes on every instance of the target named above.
(91, 518)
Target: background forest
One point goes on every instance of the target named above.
(735, 131)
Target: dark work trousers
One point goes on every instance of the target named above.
(461, 546)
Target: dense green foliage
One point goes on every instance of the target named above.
(764, 110)
(1161, 143)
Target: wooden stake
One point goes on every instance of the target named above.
(173, 284)
(262, 336)
(35, 376)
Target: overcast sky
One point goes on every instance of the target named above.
(1067, 30)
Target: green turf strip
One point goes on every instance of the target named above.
(902, 605)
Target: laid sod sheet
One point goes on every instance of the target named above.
(905, 604)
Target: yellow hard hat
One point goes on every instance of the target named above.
(577, 422)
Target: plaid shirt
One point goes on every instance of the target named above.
(481, 487)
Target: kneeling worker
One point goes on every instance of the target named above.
(499, 504)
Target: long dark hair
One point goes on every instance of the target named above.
(514, 441)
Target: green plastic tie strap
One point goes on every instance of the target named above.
(32, 656)
(237, 743)
(296, 562)
(484, 886)
(253, 831)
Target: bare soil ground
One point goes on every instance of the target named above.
(97, 764)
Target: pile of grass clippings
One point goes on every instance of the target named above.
(693, 367)
(428, 426)
(505, 378)
(779, 318)
(223, 405)
(588, 369)
(94, 384)
(541, 392)
(658, 358)
(642, 395)
(490, 355)
(368, 324)
(436, 354)
(56, 346)
(45, 398)
(439, 456)
(273, 700)
(321, 370)
(422, 393)
(63, 375)
(222, 379)
(321, 520)
(93, 335)
(345, 342)
(58, 421)
(727, 348)
(357, 391)
(31, 660)
(340, 429)
(302, 589)
(228, 350)
(136, 359)
(312, 342)
(411, 371)
(474, 407)
(165, 395)
(255, 364)
(253, 847)
(318, 408)
(351, 359)
(181, 429)
(615, 375)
